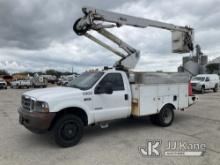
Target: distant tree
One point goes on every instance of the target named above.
(3, 72)
(67, 73)
(57, 73)
(53, 72)
(39, 73)
(26, 73)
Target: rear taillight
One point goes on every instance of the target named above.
(190, 93)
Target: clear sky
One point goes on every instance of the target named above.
(37, 35)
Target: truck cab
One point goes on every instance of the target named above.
(107, 94)
(92, 97)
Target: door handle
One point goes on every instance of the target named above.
(126, 96)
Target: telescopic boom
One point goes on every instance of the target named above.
(95, 19)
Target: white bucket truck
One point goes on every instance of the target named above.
(102, 96)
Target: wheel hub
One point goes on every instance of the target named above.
(167, 116)
(69, 131)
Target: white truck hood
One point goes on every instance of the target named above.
(48, 94)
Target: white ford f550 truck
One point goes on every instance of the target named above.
(116, 93)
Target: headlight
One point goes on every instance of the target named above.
(41, 106)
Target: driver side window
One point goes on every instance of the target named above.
(115, 79)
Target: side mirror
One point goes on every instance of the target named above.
(98, 90)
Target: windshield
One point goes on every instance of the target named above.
(198, 78)
(86, 80)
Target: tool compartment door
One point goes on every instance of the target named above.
(148, 99)
(183, 96)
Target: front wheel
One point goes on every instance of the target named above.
(68, 130)
(164, 118)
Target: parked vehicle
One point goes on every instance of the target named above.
(98, 97)
(21, 84)
(64, 80)
(39, 81)
(3, 84)
(204, 82)
(50, 78)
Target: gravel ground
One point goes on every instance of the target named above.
(117, 144)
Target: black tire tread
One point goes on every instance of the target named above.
(58, 139)
(158, 119)
(216, 88)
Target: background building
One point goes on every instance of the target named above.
(213, 66)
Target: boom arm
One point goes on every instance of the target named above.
(94, 19)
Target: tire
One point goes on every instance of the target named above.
(202, 90)
(68, 130)
(165, 117)
(216, 88)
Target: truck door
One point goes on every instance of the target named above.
(114, 105)
(208, 83)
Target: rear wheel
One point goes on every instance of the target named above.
(68, 130)
(216, 88)
(164, 118)
(202, 89)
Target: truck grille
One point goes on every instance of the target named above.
(26, 103)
